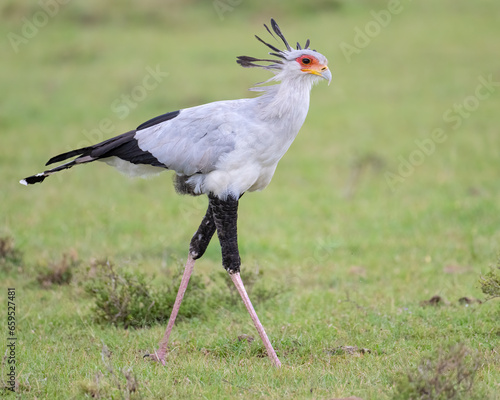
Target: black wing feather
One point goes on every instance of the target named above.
(157, 120)
(127, 150)
(69, 154)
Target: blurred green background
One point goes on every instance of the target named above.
(363, 203)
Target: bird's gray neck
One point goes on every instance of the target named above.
(288, 100)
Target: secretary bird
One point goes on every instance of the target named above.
(221, 149)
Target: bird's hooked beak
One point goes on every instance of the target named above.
(320, 70)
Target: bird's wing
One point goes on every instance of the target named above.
(195, 140)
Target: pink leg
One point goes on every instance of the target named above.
(235, 277)
(162, 350)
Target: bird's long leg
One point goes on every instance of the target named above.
(225, 215)
(197, 248)
(162, 348)
(236, 278)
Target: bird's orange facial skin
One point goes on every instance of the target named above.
(311, 65)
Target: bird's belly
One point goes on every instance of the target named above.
(233, 181)
(265, 176)
(250, 167)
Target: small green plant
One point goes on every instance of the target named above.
(447, 375)
(121, 384)
(10, 257)
(58, 273)
(128, 300)
(490, 283)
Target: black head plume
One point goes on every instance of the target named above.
(270, 32)
(246, 61)
(277, 30)
(268, 45)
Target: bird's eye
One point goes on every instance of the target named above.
(306, 61)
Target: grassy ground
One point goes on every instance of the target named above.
(357, 229)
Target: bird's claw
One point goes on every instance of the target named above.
(155, 357)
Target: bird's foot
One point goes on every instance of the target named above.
(156, 357)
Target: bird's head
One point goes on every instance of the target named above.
(298, 63)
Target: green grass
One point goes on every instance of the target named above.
(352, 259)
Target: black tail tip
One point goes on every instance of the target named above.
(30, 180)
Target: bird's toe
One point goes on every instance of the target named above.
(155, 357)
